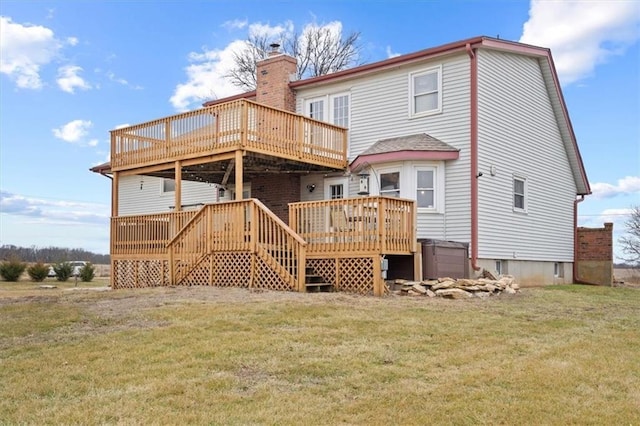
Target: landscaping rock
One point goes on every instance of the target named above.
(419, 288)
(453, 293)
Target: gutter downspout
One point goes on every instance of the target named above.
(473, 100)
(576, 279)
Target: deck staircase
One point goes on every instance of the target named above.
(315, 283)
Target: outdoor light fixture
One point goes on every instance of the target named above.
(311, 187)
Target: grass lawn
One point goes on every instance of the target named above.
(554, 355)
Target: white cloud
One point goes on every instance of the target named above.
(24, 49)
(93, 142)
(625, 186)
(390, 53)
(59, 212)
(235, 24)
(111, 76)
(582, 34)
(74, 131)
(68, 79)
(206, 77)
(72, 41)
(265, 30)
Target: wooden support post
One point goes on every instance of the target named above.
(302, 274)
(378, 282)
(417, 265)
(239, 166)
(178, 193)
(115, 183)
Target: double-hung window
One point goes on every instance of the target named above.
(519, 194)
(426, 188)
(426, 91)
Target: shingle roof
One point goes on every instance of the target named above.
(417, 142)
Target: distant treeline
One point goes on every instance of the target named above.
(51, 254)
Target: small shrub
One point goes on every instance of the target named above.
(87, 272)
(11, 270)
(38, 272)
(63, 271)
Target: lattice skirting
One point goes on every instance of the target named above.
(140, 273)
(218, 269)
(351, 275)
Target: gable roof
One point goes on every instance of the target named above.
(420, 146)
(468, 45)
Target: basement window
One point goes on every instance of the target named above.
(168, 185)
(558, 270)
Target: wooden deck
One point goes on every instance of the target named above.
(197, 136)
(243, 244)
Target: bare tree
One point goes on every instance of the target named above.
(630, 242)
(319, 50)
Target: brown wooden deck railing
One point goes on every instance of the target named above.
(146, 234)
(246, 226)
(226, 127)
(355, 225)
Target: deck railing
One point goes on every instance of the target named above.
(238, 226)
(240, 124)
(146, 234)
(355, 225)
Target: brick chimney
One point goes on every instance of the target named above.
(273, 75)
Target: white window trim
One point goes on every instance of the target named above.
(344, 181)
(438, 176)
(412, 113)
(395, 168)
(525, 194)
(162, 191)
(327, 105)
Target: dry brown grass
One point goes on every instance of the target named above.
(556, 355)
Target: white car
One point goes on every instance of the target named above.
(76, 266)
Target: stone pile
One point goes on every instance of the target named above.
(457, 288)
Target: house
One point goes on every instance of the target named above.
(332, 179)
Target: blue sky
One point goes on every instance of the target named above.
(70, 71)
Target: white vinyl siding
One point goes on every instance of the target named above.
(378, 110)
(144, 195)
(519, 136)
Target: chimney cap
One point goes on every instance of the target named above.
(274, 48)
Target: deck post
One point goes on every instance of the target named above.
(239, 166)
(115, 183)
(378, 283)
(178, 180)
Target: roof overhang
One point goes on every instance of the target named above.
(389, 157)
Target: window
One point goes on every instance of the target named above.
(315, 109)
(168, 185)
(426, 91)
(390, 184)
(426, 189)
(558, 270)
(332, 108)
(519, 194)
(340, 111)
(336, 191)
(499, 267)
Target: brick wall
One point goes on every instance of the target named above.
(276, 191)
(594, 255)
(273, 77)
(595, 243)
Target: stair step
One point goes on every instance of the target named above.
(319, 287)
